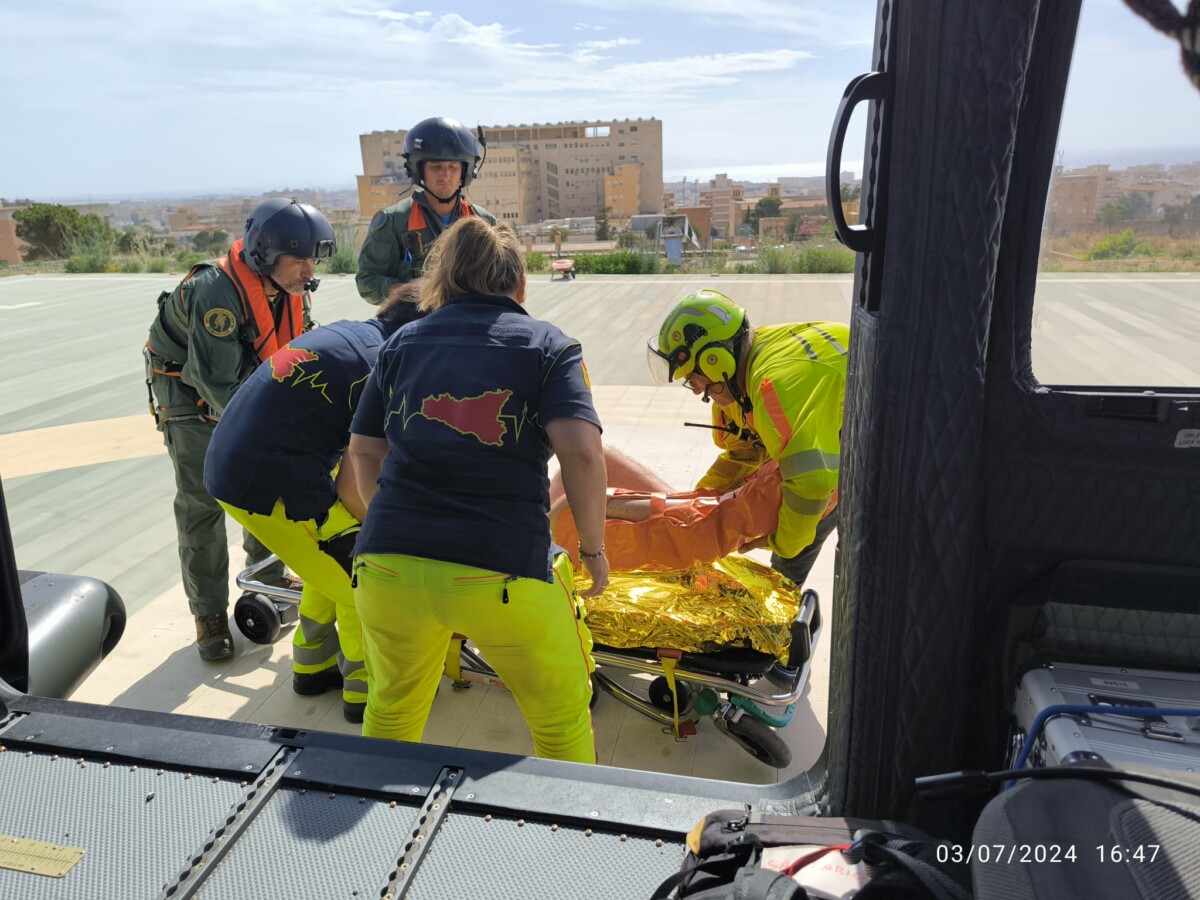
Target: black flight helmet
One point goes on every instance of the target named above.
(286, 226)
(433, 140)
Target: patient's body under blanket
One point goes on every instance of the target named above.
(733, 603)
(681, 529)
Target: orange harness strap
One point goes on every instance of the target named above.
(256, 306)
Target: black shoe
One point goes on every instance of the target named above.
(213, 639)
(353, 712)
(309, 684)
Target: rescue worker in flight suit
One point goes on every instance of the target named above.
(778, 393)
(225, 317)
(442, 158)
(271, 465)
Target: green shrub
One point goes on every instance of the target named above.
(158, 264)
(88, 262)
(345, 260)
(1118, 246)
(129, 264)
(536, 262)
(620, 262)
(185, 259)
(823, 261)
(794, 260)
(89, 249)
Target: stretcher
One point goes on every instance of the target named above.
(749, 694)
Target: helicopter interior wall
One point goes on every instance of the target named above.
(1092, 513)
(973, 497)
(913, 468)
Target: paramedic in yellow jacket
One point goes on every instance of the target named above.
(778, 393)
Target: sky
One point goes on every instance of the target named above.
(136, 98)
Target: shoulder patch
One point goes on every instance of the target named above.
(377, 221)
(220, 322)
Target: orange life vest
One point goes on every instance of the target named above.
(416, 215)
(257, 308)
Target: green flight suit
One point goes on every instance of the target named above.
(198, 356)
(391, 254)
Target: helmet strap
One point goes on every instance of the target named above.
(449, 199)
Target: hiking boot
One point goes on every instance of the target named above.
(353, 712)
(213, 639)
(309, 684)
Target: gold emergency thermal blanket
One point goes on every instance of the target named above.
(733, 603)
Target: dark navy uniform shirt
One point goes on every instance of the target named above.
(463, 397)
(286, 427)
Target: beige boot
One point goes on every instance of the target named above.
(213, 639)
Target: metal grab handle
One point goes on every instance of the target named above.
(871, 86)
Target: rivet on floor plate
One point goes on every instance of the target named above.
(187, 776)
(554, 828)
(107, 764)
(150, 796)
(624, 838)
(243, 784)
(215, 779)
(488, 817)
(303, 790)
(520, 823)
(2, 748)
(588, 833)
(133, 768)
(658, 843)
(392, 805)
(29, 753)
(161, 772)
(470, 796)
(54, 757)
(595, 813)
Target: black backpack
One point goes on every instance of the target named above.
(724, 859)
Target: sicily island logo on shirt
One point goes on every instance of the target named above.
(289, 366)
(480, 417)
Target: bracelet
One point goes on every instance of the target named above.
(583, 554)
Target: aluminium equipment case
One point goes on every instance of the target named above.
(1169, 742)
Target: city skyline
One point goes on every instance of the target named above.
(222, 97)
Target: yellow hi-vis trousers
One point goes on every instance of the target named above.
(531, 632)
(327, 597)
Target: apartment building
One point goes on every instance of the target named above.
(722, 196)
(535, 172)
(622, 192)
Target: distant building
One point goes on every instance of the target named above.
(623, 192)
(11, 246)
(722, 196)
(533, 173)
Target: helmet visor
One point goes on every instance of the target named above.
(659, 365)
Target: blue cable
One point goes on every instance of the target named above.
(1132, 712)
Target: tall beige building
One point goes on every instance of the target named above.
(623, 192)
(722, 196)
(535, 172)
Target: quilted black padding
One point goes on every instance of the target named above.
(963, 480)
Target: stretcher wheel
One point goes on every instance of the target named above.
(660, 695)
(760, 740)
(257, 618)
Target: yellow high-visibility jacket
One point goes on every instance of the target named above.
(796, 383)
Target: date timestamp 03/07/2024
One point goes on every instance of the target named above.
(1046, 853)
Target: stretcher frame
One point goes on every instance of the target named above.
(733, 700)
